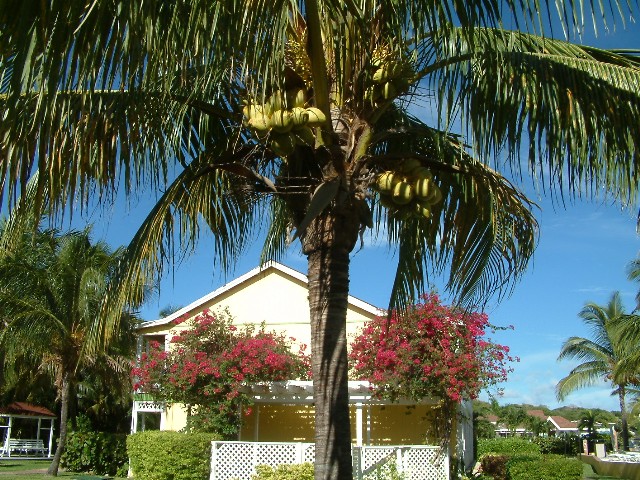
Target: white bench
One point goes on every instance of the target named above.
(26, 446)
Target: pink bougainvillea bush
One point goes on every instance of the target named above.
(431, 350)
(209, 365)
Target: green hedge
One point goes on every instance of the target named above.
(564, 445)
(547, 467)
(97, 452)
(507, 446)
(163, 455)
(303, 471)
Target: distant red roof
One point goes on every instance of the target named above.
(538, 414)
(563, 423)
(491, 418)
(23, 408)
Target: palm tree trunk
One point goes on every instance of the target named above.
(65, 393)
(623, 418)
(328, 298)
(327, 244)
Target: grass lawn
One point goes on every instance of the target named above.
(589, 474)
(36, 469)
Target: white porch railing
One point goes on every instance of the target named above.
(238, 460)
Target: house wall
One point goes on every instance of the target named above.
(272, 297)
(389, 424)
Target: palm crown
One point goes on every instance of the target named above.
(295, 114)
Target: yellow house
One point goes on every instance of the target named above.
(277, 295)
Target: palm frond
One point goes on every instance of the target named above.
(585, 375)
(483, 229)
(278, 233)
(512, 84)
(100, 140)
(585, 349)
(203, 194)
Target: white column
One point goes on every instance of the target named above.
(9, 435)
(134, 417)
(359, 425)
(50, 437)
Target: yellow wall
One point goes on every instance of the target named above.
(176, 417)
(390, 424)
(272, 297)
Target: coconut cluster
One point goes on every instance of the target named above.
(284, 121)
(409, 190)
(392, 75)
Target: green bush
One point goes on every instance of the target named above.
(302, 471)
(97, 452)
(156, 455)
(507, 446)
(388, 471)
(565, 445)
(549, 467)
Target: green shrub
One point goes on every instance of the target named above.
(97, 452)
(156, 455)
(507, 446)
(388, 471)
(302, 471)
(547, 467)
(565, 445)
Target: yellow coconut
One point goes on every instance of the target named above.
(402, 193)
(299, 116)
(422, 188)
(281, 121)
(316, 117)
(386, 181)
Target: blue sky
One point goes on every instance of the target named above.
(581, 257)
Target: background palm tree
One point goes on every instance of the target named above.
(588, 421)
(633, 274)
(51, 290)
(98, 94)
(602, 356)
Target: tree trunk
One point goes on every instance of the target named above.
(624, 420)
(327, 245)
(65, 393)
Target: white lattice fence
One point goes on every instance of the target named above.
(416, 462)
(238, 460)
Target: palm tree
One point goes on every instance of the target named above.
(601, 356)
(51, 291)
(633, 274)
(537, 426)
(98, 95)
(588, 421)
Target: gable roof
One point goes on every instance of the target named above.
(562, 423)
(269, 267)
(538, 414)
(26, 409)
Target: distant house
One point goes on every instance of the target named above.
(558, 425)
(562, 426)
(278, 296)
